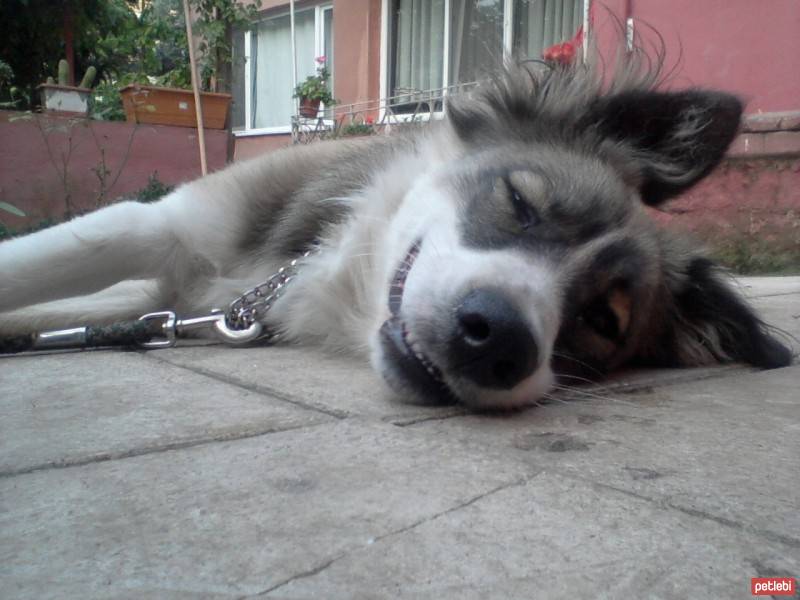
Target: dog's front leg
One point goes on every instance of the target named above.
(85, 255)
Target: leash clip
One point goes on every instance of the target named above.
(167, 329)
(172, 328)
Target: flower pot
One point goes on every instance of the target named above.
(65, 98)
(309, 108)
(172, 106)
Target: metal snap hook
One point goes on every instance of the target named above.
(238, 336)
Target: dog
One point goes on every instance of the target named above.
(473, 260)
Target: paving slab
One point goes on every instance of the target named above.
(340, 385)
(553, 537)
(782, 311)
(231, 518)
(211, 472)
(726, 451)
(769, 286)
(69, 408)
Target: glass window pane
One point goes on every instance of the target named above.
(273, 105)
(539, 24)
(476, 39)
(418, 53)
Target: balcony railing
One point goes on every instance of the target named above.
(372, 117)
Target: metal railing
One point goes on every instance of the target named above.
(372, 117)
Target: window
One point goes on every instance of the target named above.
(262, 82)
(439, 43)
(542, 23)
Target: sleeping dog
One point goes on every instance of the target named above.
(475, 259)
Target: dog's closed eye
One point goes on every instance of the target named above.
(525, 213)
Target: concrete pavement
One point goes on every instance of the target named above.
(209, 472)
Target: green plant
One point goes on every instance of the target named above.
(9, 93)
(63, 75)
(355, 129)
(5, 232)
(154, 190)
(106, 102)
(63, 72)
(747, 255)
(216, 20)
(88, 77)
(9, 208)
(6, 74)
(315, 87)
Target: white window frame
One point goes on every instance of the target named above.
(508, 45)
(319, 49)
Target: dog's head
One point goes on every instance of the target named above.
(531, 255)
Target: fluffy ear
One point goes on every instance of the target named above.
(710, 322)
(676, 138)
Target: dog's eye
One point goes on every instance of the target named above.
(525, 213)
(599, 316)
(610, 314)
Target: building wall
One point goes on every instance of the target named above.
(749, 209)
(749, 47)
(357, 49)
(38, 169)
(253, 145)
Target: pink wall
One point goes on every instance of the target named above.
(30, 181)
(253, 145)
(750, 47)
(746, 211)
(357, 49)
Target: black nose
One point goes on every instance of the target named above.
(492, 344)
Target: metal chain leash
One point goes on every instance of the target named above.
(245, 310)
(238, 325)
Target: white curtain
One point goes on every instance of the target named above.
(539, 24)
(476, 39)
(273, 105)
(420, 45)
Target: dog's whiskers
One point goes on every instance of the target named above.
(589, 395)
(577, 361)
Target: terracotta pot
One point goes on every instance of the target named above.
(172, 106)
(309, 108)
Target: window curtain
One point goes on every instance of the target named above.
(476, 39)
(539, 24)
(419, 31)
(273, 105)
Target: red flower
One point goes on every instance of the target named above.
(565, 52)
(560, 53)
(369, 121)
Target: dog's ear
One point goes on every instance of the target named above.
(709, 322)
(676, 138)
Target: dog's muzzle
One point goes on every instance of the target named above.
(402, 349)
(487, 343)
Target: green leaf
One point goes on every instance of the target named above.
(12, 209)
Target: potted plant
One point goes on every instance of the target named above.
(66, 98)
(314, 91)
(172, 106)
(164, 96)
